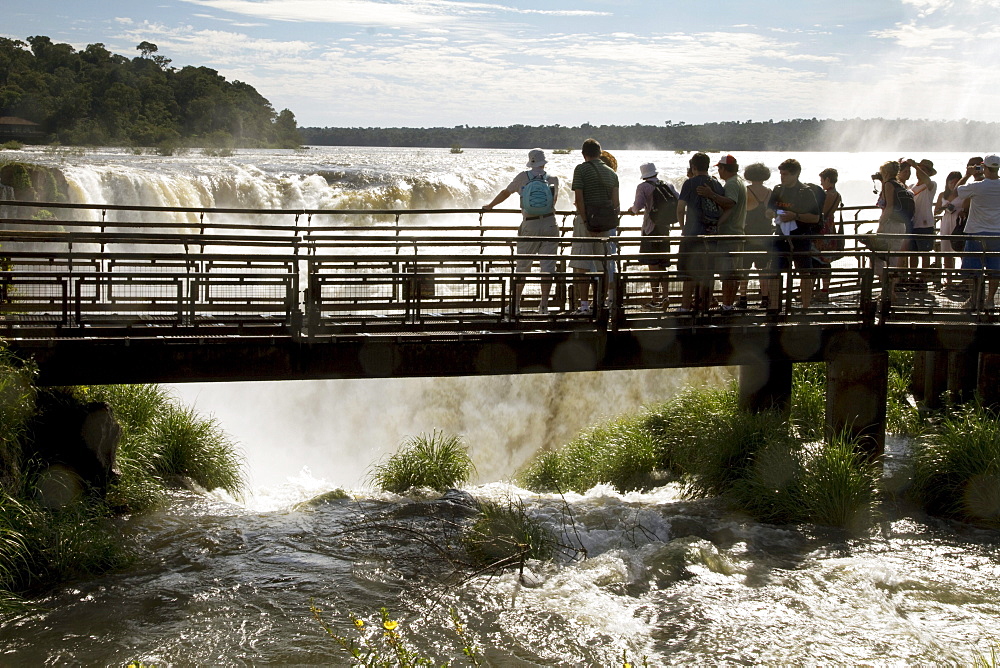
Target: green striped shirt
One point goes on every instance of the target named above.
(595, 184)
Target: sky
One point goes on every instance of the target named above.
(432, 63)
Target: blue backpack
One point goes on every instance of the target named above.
(536, 196)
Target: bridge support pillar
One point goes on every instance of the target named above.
(917, 375)
(989, 371)
(765, 386)
(856, 388)
(963, 375)
(936, 373)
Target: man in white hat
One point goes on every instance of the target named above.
(538, 233)
(659, 202)
(983, 225)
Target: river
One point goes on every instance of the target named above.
(218, 580)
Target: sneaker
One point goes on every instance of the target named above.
(584, 311)
(543, 310)
(654, 304)
(727, 308)
(680, 309)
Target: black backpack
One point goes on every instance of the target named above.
(904, 207)
(710, 212)
(664, 210)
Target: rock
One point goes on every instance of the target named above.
(58, 486)
(75, 446)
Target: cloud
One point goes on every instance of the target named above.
(914, 36)
(408, 13)
(357, 12)
(219, 47)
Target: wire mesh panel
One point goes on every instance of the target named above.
(33, 298)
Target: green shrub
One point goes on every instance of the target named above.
(12, 145)
(437, 461)
(544, 473)
(622, 453)
(160, 440)
(504, 535)
(957, 467)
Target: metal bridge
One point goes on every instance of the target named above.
(106, 294)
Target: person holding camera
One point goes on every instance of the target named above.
(983, 225)
(923, 192)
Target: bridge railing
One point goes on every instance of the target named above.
(66, 277)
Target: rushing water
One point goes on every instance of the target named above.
(221, 581)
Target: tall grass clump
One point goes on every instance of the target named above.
(681, 425)
(185, 444)
(504, 535)
(901, 415)
(730, 453)
(17, 406)
(957, 467)
(162, 440)
(808, 409)
(46, 546)
(623, 453)
(40, 546)
(439, 461)
(757, 461)
(837, 484)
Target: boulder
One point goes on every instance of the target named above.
(74, 446)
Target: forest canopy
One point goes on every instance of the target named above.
(789, 135)
(95, 97)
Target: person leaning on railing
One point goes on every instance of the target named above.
(595, 183)
(983, 225)
(541, 225)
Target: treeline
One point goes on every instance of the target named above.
(791, 135)
(95, 97)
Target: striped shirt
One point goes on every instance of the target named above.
(596, 184)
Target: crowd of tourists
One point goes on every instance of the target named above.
(733, 223)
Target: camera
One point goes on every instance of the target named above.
(877, 177)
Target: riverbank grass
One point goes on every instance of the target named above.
(160, 440)
(762, 463)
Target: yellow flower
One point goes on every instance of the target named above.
(360, 623)
(390, 625)
(626, 665)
